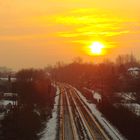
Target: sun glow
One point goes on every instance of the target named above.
(96, 48)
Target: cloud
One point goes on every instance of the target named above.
(91, 24)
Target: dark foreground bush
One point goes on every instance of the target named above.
(21, 125)
(127, 122)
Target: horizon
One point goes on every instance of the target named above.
(76, 59)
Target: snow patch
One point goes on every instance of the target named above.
(112, 131)
(127, 96)
(134, 107)
(96, 95)
(50, 131)
(5, 102)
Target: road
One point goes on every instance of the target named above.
(76, 120)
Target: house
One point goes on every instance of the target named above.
(10, 94)
(134, 71)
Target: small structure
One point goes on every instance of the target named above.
(10, 94)
(134, 71)
(11, 97)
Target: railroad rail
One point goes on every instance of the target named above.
(83, 124)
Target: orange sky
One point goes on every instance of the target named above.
(36, 33)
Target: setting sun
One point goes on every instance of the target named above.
(96, 48)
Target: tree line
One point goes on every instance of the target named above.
(107, 77)
(34, 105)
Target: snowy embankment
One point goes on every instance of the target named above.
(111, 130)
(133, 107)
(128, 100)
(50, 131)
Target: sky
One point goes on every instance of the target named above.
(35, 33)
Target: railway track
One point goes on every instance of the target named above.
(77, 117)
(94, 128)
(67, 126)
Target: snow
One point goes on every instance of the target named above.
(112, 131)
(92, 91)
(10, 94)
(128, 100)
(50, 131)
(2, 116)
(73, 125)
(127, 96)
(87, 130)
(3, 105)
(96, 95)
(134, 107)
(5, 102)
(6, 79)
(134, 69)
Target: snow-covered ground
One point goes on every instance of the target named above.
(6, 79)
(134, 107)
(127, 96)
(110, 129)
(128, 101)
(5, 102)
(50, 131)
(96, 95)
